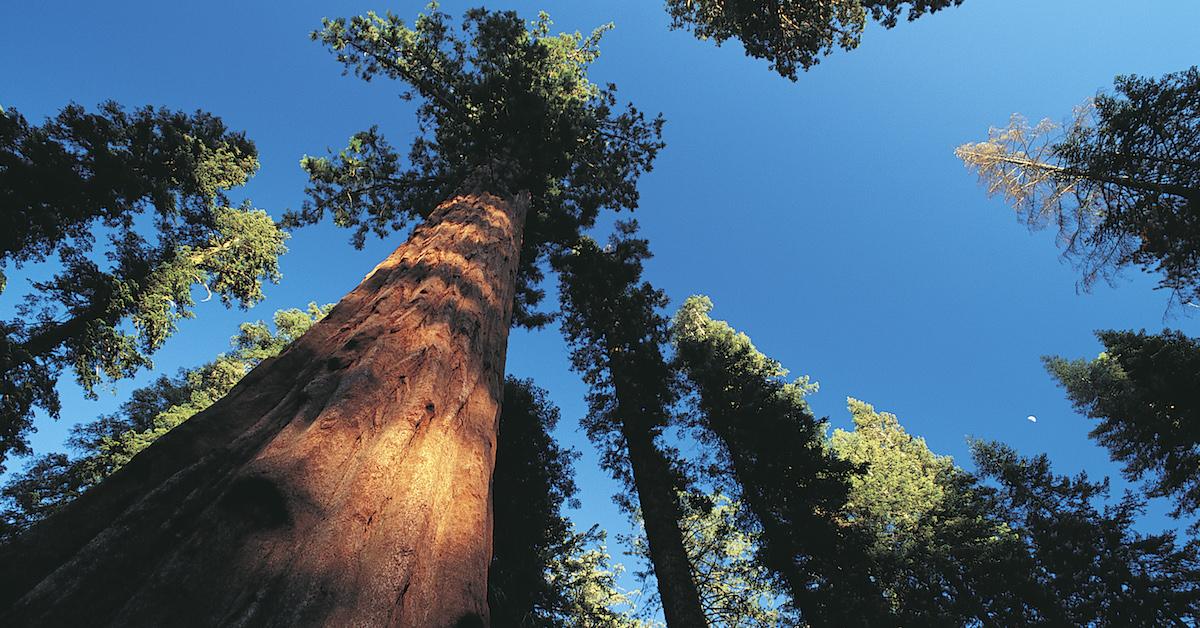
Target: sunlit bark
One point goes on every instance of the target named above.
(345, 483)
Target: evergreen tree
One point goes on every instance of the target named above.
(1121, 183)
(1089, 566)
(107, 444)
(361, 459)
(543, 572)
(82, 176)
(533, 479)
(1013, 544)
(584, 576)
(771, 451)
(509, 99)
(1143, 391)
(793, 34)
(611, 320)
(939, 551)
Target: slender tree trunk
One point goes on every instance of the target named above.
(345, 483)
(654, 480)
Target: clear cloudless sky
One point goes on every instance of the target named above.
(827, 218)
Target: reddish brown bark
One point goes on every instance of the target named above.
(345, 483)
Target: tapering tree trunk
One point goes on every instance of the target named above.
(654, 481)
(344, 483)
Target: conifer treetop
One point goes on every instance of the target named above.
(497, 94)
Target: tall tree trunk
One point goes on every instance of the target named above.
(345, 483)
(654, 480)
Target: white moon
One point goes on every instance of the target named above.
(1032, 419)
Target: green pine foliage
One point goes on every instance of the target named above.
(583, 575)
(105, 445)
(771, 452)
(498, 96)
(1143, 392)
(793, 35)
(736, 590)
(1012, 544)
(1088, 565)
(938, 551)
(150, 184)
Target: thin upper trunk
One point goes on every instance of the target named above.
(653, 478)
(658, 498)
(1152, 187)
(346, 482)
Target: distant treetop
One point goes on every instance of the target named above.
(793, 35)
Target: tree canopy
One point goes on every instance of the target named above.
(152, 183)
(771, 453)
(793, 35)
(1012, 543)
(1142, 390)
(937, 549)
(505, 96)
(1121, 182)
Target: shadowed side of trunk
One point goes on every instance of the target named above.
(346, 482)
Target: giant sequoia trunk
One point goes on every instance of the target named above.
(344, 483)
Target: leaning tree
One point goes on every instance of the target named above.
(348, 480)
(771, 452)
(1121, 182)
(612, 320)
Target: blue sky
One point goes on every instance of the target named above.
(827, 218)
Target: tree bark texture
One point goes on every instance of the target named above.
(654, 480)
(346, 482)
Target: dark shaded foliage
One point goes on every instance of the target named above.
(793, 34)
(1143, 157)
(1088, 566)
(503, 96)
(1143, 391)
(772, 451)
(532, 482)
(611, 319)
